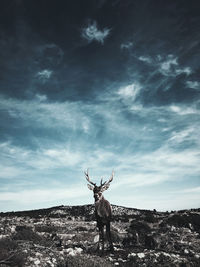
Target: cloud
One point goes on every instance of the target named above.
(166, 66)
(43, 158)
(186, 70)
(41, 98)
(44, 75)
(193, 84)
(183, 110)
(160, 200)
(191, 190)
(170, 67)
(181, 136)
(130, 91)
(145, 59)
(101, 136)
(92, 33)
(38, 196)
(126, 45)
(43, 114)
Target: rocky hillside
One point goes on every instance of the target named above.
(67, 236)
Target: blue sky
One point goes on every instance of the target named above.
(104, 85)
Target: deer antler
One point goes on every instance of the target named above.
(111, 178)
(88, 178)
(102, 184)
(106, 185)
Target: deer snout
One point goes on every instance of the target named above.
(97, 196)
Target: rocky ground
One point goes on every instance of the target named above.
(67, 236)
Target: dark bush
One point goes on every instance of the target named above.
(150, 218)
(139, 227)
(10, 255)
(27, 234)
(46, 228)
(22, 227)
(81, 229)
(185, 221)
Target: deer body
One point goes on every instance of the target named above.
(103, 211)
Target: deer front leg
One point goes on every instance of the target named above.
(108, 234)
(101, 238)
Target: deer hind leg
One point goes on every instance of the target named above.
(108, 234)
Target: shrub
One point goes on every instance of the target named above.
(10, 253)
(30, 235)
(27, 234)
(46, 228)
(185, 221)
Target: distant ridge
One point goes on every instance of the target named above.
(84, 210)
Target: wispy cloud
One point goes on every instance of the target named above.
(46, 114)
(170, 67)
(184, 110)
(191, 190)
(128, 145)
(159, 200)
(43, 158)
(92, 33)
(182, 136)
(145, 59)
(130, 91)
(33, 197)
(193, 84)
(126, 45)
(44, 75)
(186, 70)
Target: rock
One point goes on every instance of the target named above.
(141, 255)
(37, 262)
(96, 238)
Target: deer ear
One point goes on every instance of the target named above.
(105, 187)
(90, 187)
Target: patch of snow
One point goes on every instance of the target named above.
(141, 255)
(96, 238)
(74, 252)
(131, 255)
(12, 229)
(37, 262)
(186, 251)
(173, 228)
(38, 254)
(62, 212)
(166, 254)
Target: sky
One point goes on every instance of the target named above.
(99, 85)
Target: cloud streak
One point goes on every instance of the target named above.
(193, 84)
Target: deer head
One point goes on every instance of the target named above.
(98, 190)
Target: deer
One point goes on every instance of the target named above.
(103, 210)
